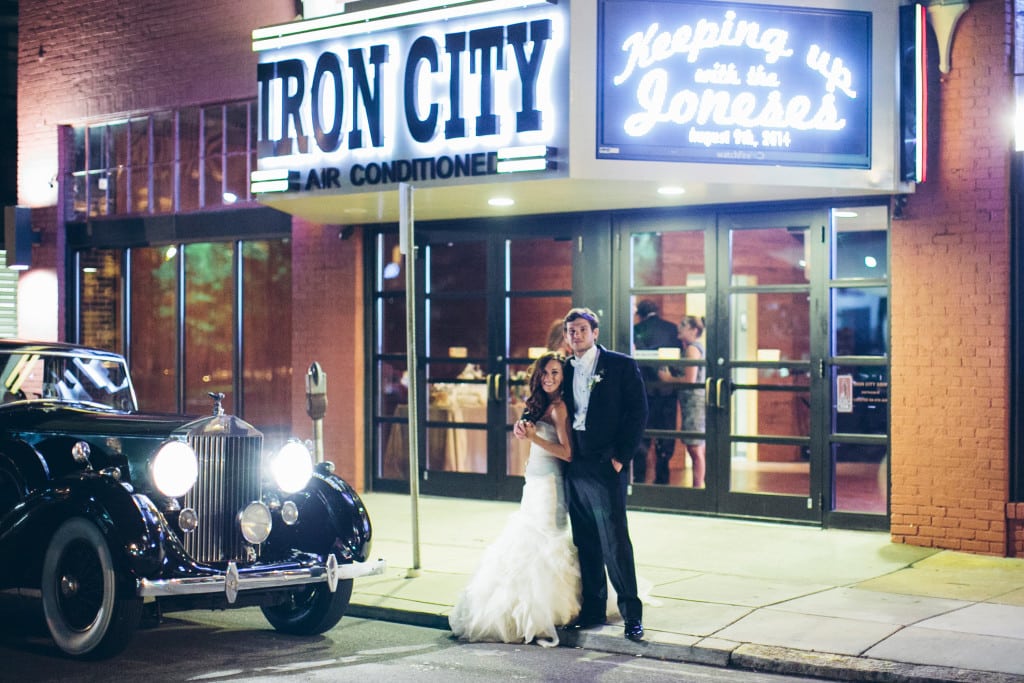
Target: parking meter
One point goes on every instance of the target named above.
(316, 406)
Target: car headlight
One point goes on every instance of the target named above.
(175, 469)
(292, 467)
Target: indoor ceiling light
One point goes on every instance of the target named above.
(501, 201)
(671, 190)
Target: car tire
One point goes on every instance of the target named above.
(89, 615)
(310, 611)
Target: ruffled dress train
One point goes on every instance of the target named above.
(528, 580)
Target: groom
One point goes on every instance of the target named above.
(608, 409)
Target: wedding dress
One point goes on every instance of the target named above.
(528, 580)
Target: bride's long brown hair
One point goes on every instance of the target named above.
(538, 401)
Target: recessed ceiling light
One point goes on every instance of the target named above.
(501, 201)
(844, 214)
(671, 190)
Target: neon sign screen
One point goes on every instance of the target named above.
(684, 80)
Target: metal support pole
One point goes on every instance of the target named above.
(407, 246)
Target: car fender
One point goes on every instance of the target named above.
(342, 525)
(130, 524)
(25, 464)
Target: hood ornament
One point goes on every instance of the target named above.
(217, 397)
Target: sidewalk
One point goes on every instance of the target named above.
(845, 605)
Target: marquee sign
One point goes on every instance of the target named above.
(364, 106)
(722, 82)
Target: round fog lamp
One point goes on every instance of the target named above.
(188, 520)
(289, 512)
(255, 523)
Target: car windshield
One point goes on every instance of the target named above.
(29, 375)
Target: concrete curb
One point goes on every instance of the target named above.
(746, 656)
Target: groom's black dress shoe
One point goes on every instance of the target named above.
(634, 630)
(583, 623)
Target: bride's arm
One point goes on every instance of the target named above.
(562, 448)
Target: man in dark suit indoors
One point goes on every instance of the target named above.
(654, 332)
(608, 410)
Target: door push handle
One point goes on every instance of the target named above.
(495, 382)
(718, 393)
(707, 393)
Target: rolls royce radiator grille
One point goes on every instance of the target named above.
(230, 471)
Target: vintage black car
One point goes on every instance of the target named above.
(106, 512)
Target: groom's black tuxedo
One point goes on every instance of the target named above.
(617, 411)
(616, 415)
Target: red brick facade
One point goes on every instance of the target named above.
(950, 306)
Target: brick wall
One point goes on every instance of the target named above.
(950, 334)
(327, 327)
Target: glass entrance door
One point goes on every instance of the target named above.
(762, 381)
(730, 426)
(488, 306)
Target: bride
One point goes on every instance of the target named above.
(528, 581)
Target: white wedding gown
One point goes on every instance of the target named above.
(528, 581)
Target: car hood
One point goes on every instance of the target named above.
(57, 418)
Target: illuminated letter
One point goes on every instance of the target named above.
(328, 63)
(289, 70)
(528, 117)
(484, 40)
(455, 126)
(424, 49)
(378, 55)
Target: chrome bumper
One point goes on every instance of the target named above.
(231, 581)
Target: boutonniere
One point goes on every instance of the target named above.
(594, 379)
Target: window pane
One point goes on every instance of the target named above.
(770, 326)
(101, 314)
(237, 181)
(391, 269)
(392, 324)
(667, 259)
(78, 150)
(140, 189)
(861, 254)
(154, 331)
(139, 131)
(163, 188)
(117, 189)
(118, 138)
(455, 327)
(531, 320)
(860, 400)
(861, 321)
(458, 266)
(213, 159)
(209, 311)
(97, 147)
(237, 122)
(79, 207)
(394, 387)
(163, 137)
(861, 475)
(267, 370)
(770, 256)
(541, 263)
(188, 155)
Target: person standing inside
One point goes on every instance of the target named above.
(691, 399)
(607, 407)
(649, 333)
